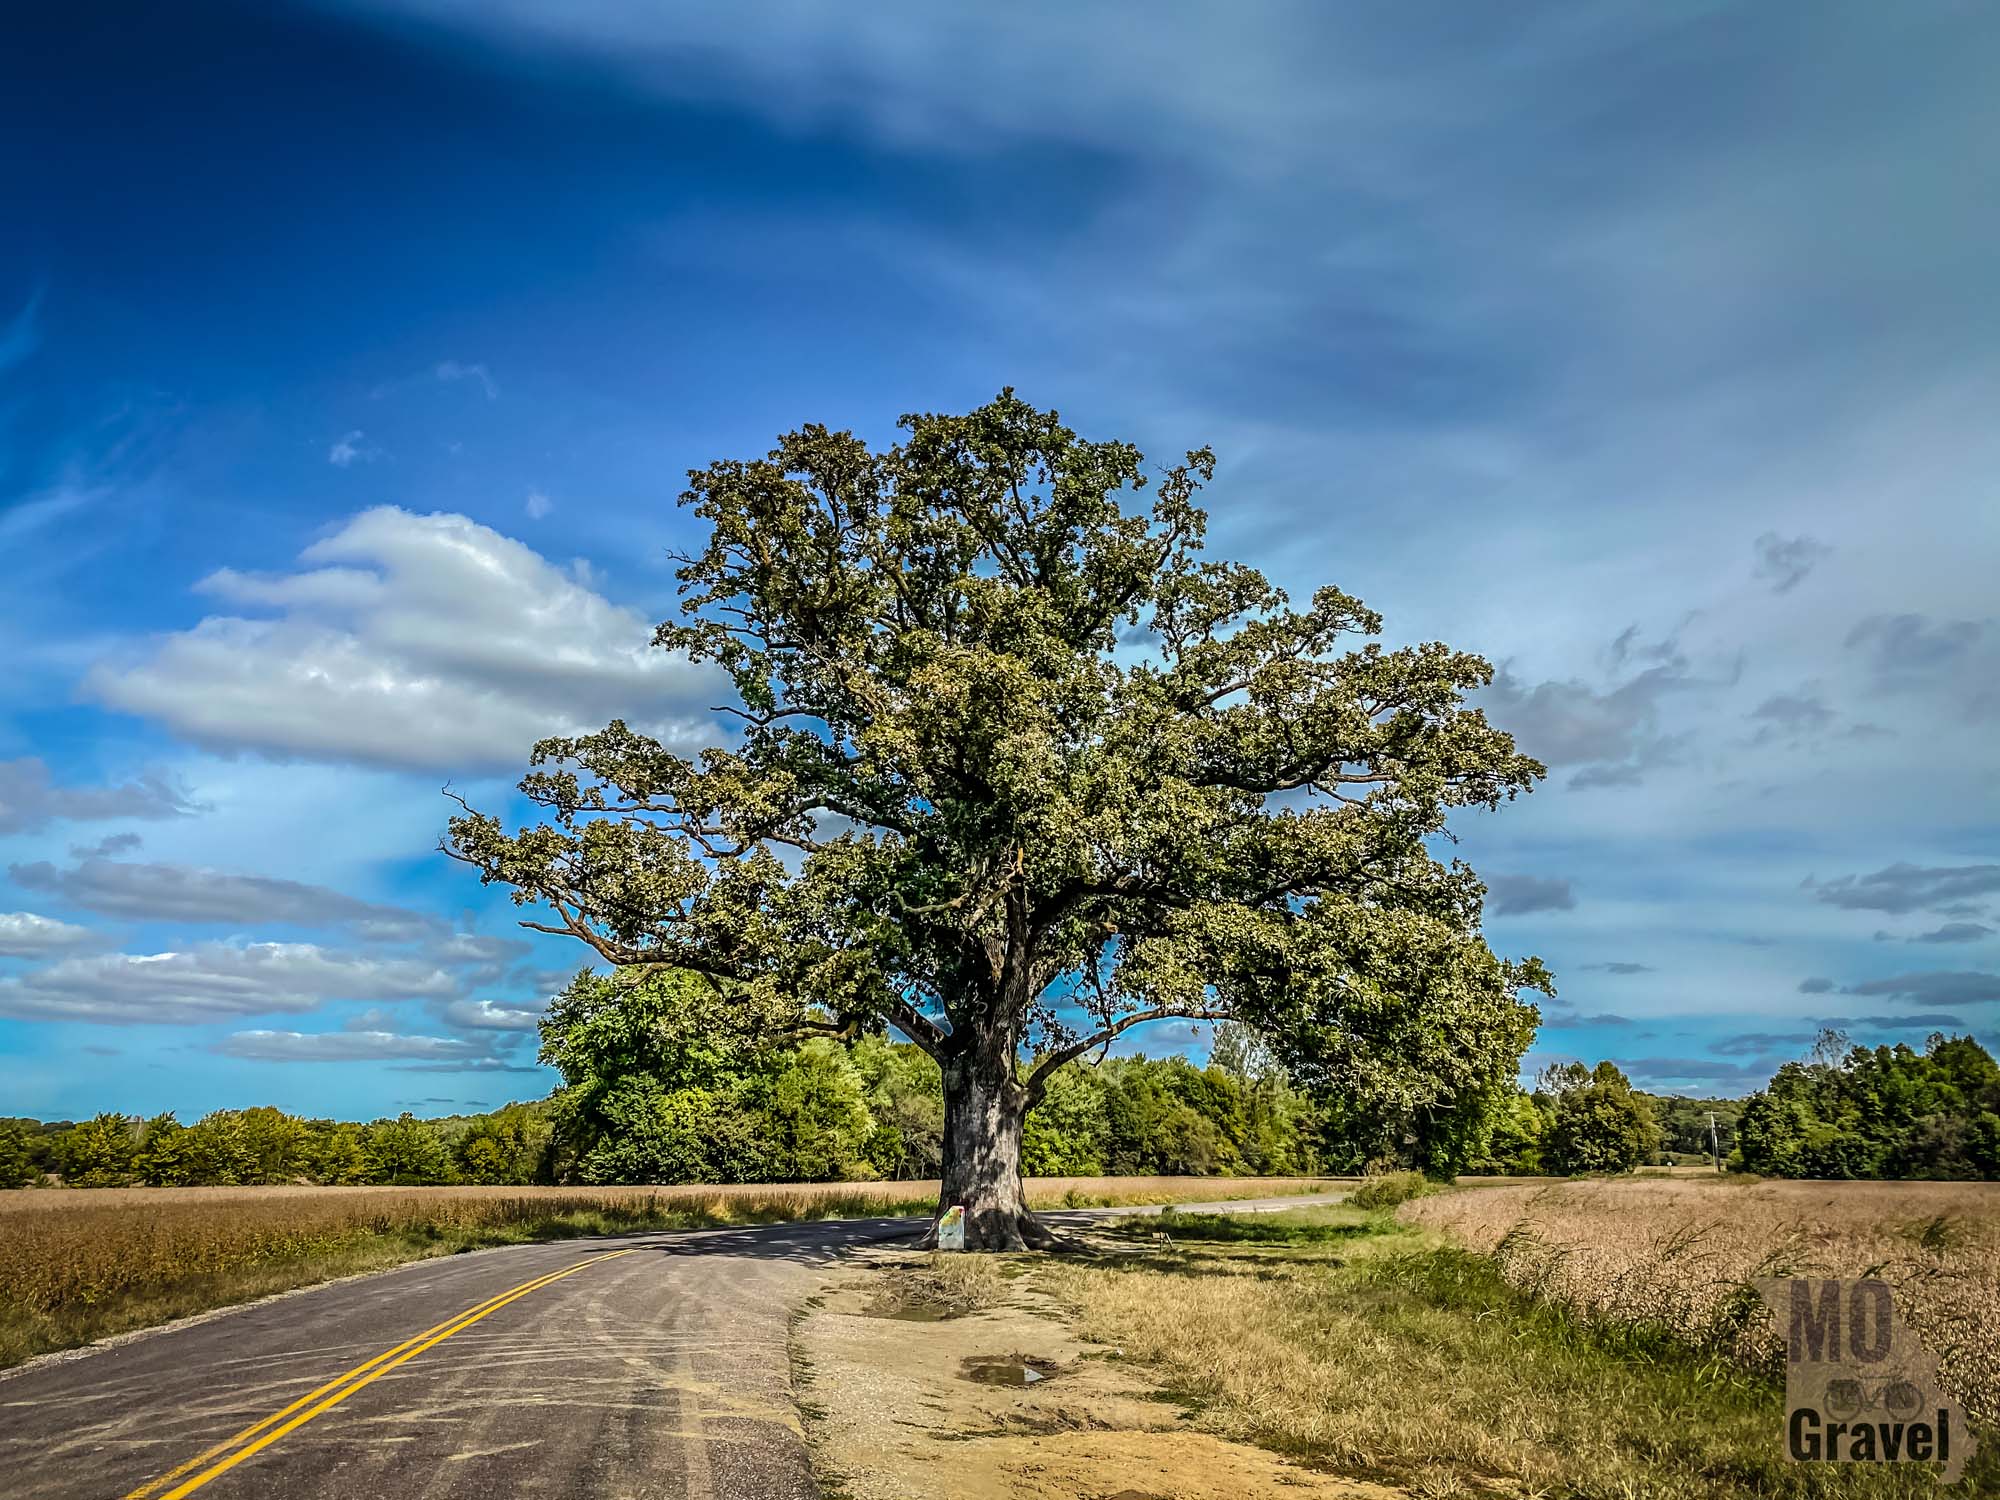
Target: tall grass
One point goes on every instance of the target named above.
(1677, 1258)
(79, 1264)
(1363, 1344)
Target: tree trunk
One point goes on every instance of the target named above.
(984, 1109)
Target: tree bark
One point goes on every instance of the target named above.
(984, 1109)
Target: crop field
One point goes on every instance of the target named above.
(78, 1264)
(1371, 1345)
(1677, 1256)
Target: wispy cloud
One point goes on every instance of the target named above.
(31, 798)
(487, 1015)
(452, 371)
(349, 1046)
(1784, 562)
(1961, 987)
(1902, 888)
(1519, 895)
(183, 893)
(352, 448)
(214, 981)
(20, 335)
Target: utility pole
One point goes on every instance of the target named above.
(1714, 1141)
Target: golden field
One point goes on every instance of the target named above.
(80, 1263)
(1678, 1255)
(1365, 1345)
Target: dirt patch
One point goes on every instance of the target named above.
(895, 1412)
(913, 1312)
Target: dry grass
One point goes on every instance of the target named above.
(78, 1264)
(1385, 1353)
(956, 1283)
(1677, 1255)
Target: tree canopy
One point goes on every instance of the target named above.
(1597, 1122)
(1020, 769)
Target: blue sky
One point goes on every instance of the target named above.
(351, 357)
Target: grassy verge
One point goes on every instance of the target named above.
(1353, 1341)
(81, 1265)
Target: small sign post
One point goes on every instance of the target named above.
(951, 1228)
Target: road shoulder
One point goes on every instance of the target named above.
(924, 1378)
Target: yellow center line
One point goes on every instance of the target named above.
(342, 1386)
(278, 1416)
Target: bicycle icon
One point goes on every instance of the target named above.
(1848, 1398)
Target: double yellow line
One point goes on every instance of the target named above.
(254, 1439)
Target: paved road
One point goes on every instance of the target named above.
(617, 1369)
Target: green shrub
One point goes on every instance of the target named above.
(1387, 1189)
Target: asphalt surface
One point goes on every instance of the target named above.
(657, 1367)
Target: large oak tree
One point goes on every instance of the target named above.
(1019, 770)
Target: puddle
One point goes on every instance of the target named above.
(1007, 1369)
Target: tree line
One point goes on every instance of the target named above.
(265, 1145)
(1878, 1112)
(651, 1094)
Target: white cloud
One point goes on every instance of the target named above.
(214, 981)
(23, 934)
(539, 505)
(488, 1015)
(424, 642)
(346, 1046)
(352, 448)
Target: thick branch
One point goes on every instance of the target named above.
(918, 1027)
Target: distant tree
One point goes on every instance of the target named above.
(655, 1090)
(43, 1137)
(812, 1114)
(1018, 839)
(644, 1067)
(164, 1159)
(1069, 1132)
(275, 1144)
(505, 1146)
(906, 1100)
(1599, 1124)
(1514, 1147)
(404, 1150)
(98, 1152)
(336, 1152)
(16, 1169)
(1242, 1053)
(1684, 1123)
(217, 1153)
